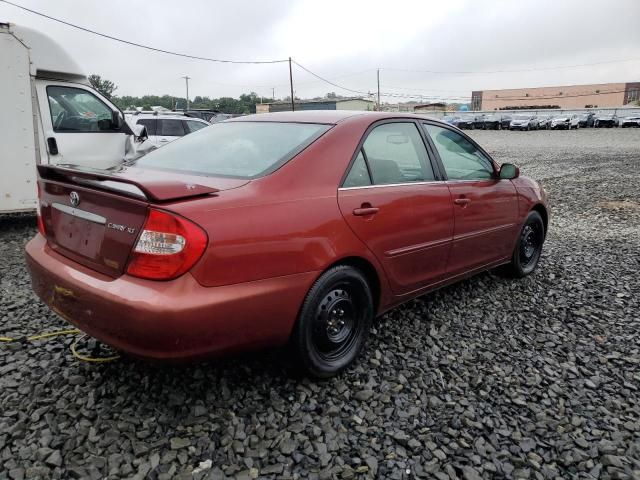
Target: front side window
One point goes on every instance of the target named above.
(170, 128)
(77, 110)
(461, 159)
(235, 149)
(396, 153)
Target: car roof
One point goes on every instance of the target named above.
(322, 116)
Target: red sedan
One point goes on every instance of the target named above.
(286, 227)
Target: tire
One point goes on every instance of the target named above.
(333, 323)
(526, 254)
(528, 128)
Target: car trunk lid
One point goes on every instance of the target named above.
(95, 217)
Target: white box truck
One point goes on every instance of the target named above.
(49, 114)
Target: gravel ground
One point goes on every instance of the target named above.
(490, 378)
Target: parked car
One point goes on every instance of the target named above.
(467, 122)
(544, 121)
(165, 128)
(451, 120)
(505, 121)
(290, 227)
(605, 120)
(492, 122)
(478, 121)
(524, 122)
(565, 122)
(586, 119)
(630, 121)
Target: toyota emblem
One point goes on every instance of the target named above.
(74, 198)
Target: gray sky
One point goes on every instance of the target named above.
(346, 41)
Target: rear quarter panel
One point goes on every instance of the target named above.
(285, 223)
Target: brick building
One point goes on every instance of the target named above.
(566, 96)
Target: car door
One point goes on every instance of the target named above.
(169, 129)
(393, 200)
(78, 128)
(486, 208)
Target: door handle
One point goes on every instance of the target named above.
(462, 201)
(52, 145)
(362, 211)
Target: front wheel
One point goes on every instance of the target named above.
(333, 322)
(529, 246)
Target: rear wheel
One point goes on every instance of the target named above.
(529, 246)
(333, 322)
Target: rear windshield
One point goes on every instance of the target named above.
(235, 149)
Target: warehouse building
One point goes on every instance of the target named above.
(566, 96)
(430, 108)
(362, 104)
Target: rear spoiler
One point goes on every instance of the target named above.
(155, 188)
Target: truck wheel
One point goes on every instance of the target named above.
(333, 322)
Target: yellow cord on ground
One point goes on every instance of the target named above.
(74, 351)
(90, 359)
(54, 334)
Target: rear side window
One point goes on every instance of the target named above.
(235, 149)
(170, 128)
(358, 175)
(396, 153)
(193, 126)
(150, 123)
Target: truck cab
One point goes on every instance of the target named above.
(51, 115)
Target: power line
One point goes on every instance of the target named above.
(329, 81)
(127, 42)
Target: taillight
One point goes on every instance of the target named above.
(39, 212)
(168, 246)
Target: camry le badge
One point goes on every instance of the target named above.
(74, 198)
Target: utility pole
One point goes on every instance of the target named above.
(186, 79)
(293, 105)
(379, 106)
(273, 93)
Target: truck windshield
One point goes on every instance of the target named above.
(235, 149)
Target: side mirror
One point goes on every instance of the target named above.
(509, 171)
(140, 132)
(116, 120)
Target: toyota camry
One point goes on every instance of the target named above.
(293, 228)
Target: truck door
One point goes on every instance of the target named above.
(78, 126)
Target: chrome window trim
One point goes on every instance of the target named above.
(83, 214)
(404, 184)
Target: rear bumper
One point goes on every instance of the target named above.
(179, 319)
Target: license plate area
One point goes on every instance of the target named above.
(78, 231)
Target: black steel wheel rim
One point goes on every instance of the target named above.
(337, 322)
(530, 244)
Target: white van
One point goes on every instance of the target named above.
(51, 115)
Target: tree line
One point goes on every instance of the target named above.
(246, 103)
